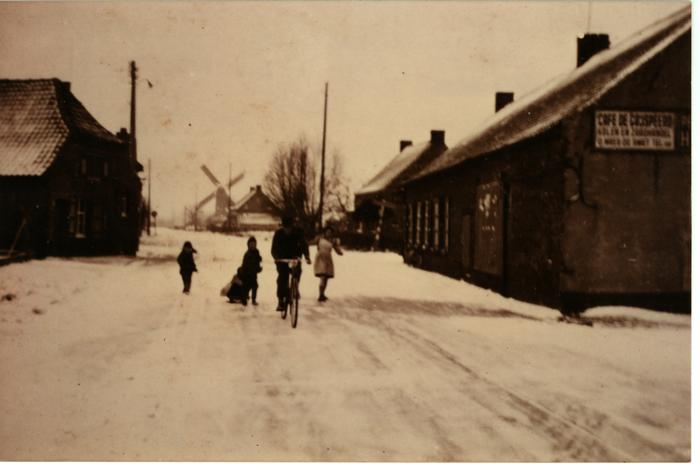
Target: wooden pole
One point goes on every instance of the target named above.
(228, 202)
(323, 161)
(19, 232)
(132, 116)
(148, 214)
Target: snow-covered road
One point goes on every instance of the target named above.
(105, 359)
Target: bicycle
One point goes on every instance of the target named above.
(292, 300)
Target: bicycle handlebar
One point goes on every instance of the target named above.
(289, 261)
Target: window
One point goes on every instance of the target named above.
(83, 166)
(77, 218)
(684, 131)
(419, 223)
(436, 223)
(446, 224)
(426, 223)
(98, 222)
(409, 224)
(105, 168)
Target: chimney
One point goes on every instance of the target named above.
(258, 188)
(123, 135)
(66, 85)
(437, 137)
(589, 45)
(404, 143)
(252, 188)
(503, 98)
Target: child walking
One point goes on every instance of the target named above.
(187, 266)
(323, 263)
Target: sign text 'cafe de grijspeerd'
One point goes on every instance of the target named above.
(635, 130)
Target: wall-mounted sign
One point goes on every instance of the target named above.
(635, 130)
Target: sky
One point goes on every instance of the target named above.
(231, 81)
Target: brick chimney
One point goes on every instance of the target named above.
(589, 45)
(123, 135)
(404, 143)
(503, 98)
(437, 137)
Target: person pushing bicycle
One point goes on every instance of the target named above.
(288, 243)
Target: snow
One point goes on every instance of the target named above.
(105, 359)
(543, 107)
(394, 168)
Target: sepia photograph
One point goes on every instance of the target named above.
(345, 231)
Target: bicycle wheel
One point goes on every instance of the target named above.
(294, 303)
(288, 301)
(283, 313)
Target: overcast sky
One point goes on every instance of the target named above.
(231, 80)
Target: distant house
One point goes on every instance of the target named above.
(379, 204)
(578, 194)
(255, 212)
(67, 185)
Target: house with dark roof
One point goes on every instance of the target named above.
(255, 212)
(68, 186)
(379, 203)
(577, 194)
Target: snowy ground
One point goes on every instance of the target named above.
(105, 359)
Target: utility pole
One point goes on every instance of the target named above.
(228, 201)
(323, 161)
(148, 223)
(132, 116)
(588, 23)
(194, 209)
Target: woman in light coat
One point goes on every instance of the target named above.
(323, 264)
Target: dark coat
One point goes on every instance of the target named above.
(251, 264)
(237, 292)
(186, 262)
(289, 246)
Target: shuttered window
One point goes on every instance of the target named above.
(436, 223)
(409, 224)
(446, 224)
(419, 223)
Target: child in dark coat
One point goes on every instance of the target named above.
(187, 266)
(246, 278)
(251, 268)
(237, 293)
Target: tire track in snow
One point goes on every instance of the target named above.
(552, 425)
(577, 441)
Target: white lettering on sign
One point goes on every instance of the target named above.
(635, 130)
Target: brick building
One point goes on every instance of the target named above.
(67, 185)
(579, 193)
(379, 204)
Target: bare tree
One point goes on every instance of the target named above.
(292, 183)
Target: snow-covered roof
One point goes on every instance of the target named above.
(244, 200)
(255, 201)
(36, 118)
(403, 166)
(545, 107)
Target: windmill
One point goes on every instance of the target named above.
(218, 221)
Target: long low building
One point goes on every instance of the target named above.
(379, 203)
(577, 194)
